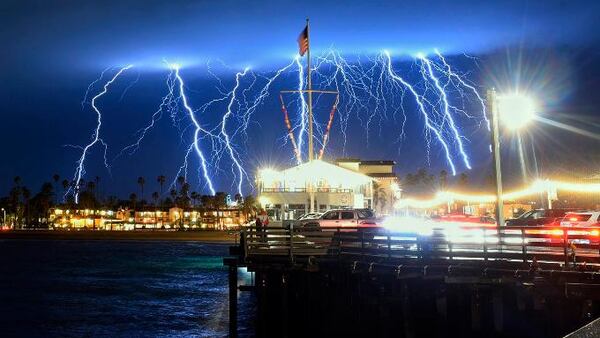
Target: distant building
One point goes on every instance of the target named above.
(125, 219)
(285, 194)
(386, 185)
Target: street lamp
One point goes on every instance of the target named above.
(515, 111)
(4, 217)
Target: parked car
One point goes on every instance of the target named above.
(340, 218)
(541, 217)
(466, 220)
(310, 215)
(581, 219)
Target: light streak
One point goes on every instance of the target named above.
(539, 186)
(80, 170)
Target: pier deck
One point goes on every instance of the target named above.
(494, 281)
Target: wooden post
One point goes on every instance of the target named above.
(475, 309)
(291, 231)
(498, 308)
(233, 310)
(407, 323)
(523, 246)
(566, 247)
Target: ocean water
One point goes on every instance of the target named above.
(114, 288)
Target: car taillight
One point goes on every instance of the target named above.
(556, 232)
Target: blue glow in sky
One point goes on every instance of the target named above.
(94, 33)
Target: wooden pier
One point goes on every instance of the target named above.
(480, 281)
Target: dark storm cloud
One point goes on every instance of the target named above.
(51, 50)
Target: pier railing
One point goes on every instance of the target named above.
(571, 246)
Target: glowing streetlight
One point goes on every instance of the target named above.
(515, 110)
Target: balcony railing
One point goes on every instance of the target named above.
(328, 190)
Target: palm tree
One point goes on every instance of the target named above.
(26, 196)
(219, 200)
(379, 197)
(65, 185)
(91, 187)
(207, 202)
(173, 194)
(97, 180)
(463, 180)
(195, 197)
(181, 180)
(155, 197)
(161, 181)
(56, 178)
(184, 195)
(141, 181)
(249, 206)
(443, 180)
(133, 200)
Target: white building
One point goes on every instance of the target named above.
(285, 194)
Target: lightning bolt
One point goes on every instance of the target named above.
(303, 106)
(80, 170)
(262, 94)
(228, 113)
(448, 116)
(91, 85)
(448, 71)
(419, 99)
(168, 103)
(370, 90)
(197, 132)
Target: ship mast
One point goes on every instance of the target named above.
(310, 105)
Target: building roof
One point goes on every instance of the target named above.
(381, 175)
(347, 160)
(313, 172)
(378, 162)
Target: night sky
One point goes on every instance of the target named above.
(52, 50)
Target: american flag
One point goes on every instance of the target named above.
(303, 41)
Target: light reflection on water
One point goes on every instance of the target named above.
(113, 288)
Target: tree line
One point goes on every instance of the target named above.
(23, 209)
(422, 183)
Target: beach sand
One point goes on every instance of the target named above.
(200, 236)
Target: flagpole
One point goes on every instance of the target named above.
(310, 105)
(310, 116)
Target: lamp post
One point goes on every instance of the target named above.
(515, 111)
(4, 217)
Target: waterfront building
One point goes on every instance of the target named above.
(127, 219)
(285, 194)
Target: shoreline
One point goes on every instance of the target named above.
(217, 237)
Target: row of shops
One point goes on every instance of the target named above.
(125, 219)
